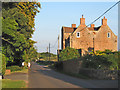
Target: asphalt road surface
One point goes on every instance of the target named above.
(40, 76)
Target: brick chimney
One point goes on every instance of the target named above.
(104, 21)
(92, 25)
(82, 21)
(74, 25)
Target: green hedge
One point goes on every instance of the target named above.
(14, 68)
(3, 64)
(68, 53)
(96, 62)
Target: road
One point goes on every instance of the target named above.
(40, 76)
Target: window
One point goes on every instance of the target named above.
(108, 34)
(78, 34)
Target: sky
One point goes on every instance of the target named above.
(54, 15)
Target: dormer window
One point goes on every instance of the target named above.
(78, 34)
(108, 34)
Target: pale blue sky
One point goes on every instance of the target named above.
(54, 15)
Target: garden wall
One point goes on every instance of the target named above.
(99, 73)
(74, 66)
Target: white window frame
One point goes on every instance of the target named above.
(77, 34)
(109, 34)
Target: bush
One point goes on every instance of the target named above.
(114, 59)
(96, 62)
(3, 64)
(68, 53)
(14, 68)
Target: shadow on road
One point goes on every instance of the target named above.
(76, 81)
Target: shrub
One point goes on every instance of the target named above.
(68, 53)
(3, 64)
(96, 62)
(14, 68)
(114, 59)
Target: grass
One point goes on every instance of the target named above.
(21, 71)
(7, 83)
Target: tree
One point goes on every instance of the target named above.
(18, 27)
(69, 53)
(14, 42)
(3, 64)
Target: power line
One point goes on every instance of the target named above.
(54, 43)
(101, 15)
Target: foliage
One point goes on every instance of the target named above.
(107, 51)
(14, 68)
(114, 59)
(102, 59)
(45, 62)
(45, 56)
(96, 62)
(68, 53)
(3, 64)
(17, 30)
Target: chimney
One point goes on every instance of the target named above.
(82, 21)
(74, 25)
(92, 25)
(104, 21)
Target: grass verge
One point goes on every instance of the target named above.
(21, 71)
(7, 83)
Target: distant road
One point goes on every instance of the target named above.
(40, 76)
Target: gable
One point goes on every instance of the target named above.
(69, 29)
(106, 29)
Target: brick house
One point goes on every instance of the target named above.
(86, 39)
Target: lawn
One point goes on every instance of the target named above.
(7, 83)
(21, 71)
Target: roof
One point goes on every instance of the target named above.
(69, 29)
(93, 29)
(96, 28)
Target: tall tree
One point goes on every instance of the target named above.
(17, 29)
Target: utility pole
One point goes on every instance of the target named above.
(93, 47)
(58, 47)
(49, 51)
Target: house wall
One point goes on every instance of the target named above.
(64, 37)
(85, 41)
(102, 42)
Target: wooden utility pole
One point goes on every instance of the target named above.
(49, 51)
(93, 47)
(58, 47)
